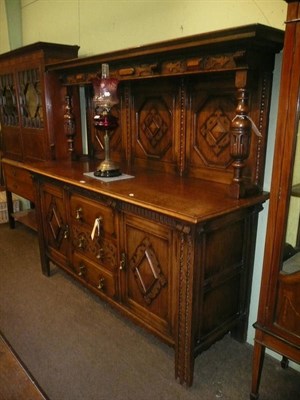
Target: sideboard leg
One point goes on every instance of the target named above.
(184, 346)
(284, 362)
(10, 209)
(184, 369)
(258, 360)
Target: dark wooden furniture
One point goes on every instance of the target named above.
(15, 380)
(26, 113)
(172, 247)
(278, 323)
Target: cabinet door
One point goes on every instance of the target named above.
(22, 115)
(147, 279)
(9, 116)
(31, 110)
(56, 230)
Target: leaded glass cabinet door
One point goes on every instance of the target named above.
(9, 117)
(32, 117)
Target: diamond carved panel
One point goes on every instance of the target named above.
(54, 221)
(215, 131)
(154, 128)
(211, 137)
(147, 271)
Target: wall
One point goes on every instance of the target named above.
(4, 39)
(106, 25)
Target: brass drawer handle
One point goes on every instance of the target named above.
(100, 254)
(96, 227)
(78, 214)
(66, 232)
(82, 270)
(81, 242)
(101, 284)
(123, 262)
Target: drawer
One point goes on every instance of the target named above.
(19, 181)
(94, 276)
(85, 211)
(100, 250)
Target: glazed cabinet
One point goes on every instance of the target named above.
(25, 109)
(26, 113)
(278, 321)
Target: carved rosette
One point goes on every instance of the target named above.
(69, 124)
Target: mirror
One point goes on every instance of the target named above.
(292, 238)
(287, 314)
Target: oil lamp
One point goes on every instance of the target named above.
(105, 97)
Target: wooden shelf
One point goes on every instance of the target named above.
(26, 217)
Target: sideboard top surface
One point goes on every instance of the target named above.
(188, 199)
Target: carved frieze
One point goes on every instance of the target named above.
(201, 63)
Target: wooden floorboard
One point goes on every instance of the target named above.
(15, 382)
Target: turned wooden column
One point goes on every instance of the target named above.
(240, 139)
(69, 125)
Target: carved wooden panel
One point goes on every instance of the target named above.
(147, 281)
(55, 223)
(99, 249)
(153, 124)
(147, 271)
(55, 226)
(212, 111)
(225, 272)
